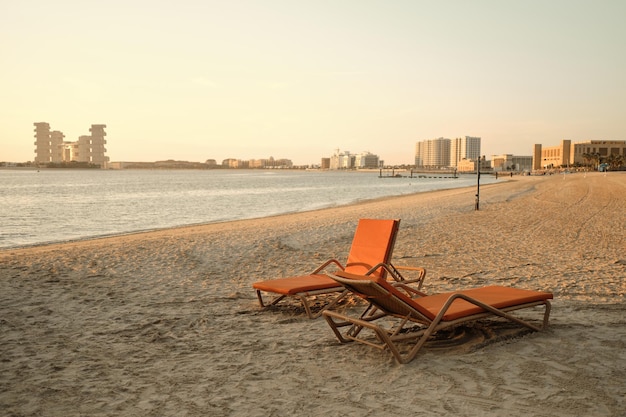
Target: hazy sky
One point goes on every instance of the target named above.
(297, 79)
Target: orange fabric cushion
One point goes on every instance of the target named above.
(495, 296)
(431, 305)
(295, 285)
(372, 244)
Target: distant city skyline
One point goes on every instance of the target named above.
(50, 147)
(249, 79)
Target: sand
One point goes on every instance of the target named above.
(166, 323)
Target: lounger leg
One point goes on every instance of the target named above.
(277, 299)
(333, 303)
(402, 359)
(334, 325)
(382, 334)
(307, 308)
(546, 316)
(264, 304)
(355, 328)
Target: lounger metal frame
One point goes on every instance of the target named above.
(304, 297)
(386, 305)
(370, 234)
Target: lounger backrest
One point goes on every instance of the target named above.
(372, 244)
(380, 293)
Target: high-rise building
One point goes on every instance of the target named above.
(43, 147)
(347, 160)
(97, 150)
(50, 146)
(56, 145)
(433, 153)
(366, 160)
(464, 148)
(342, 160)
(442, 152)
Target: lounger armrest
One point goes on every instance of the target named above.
(411, 292)
(487, 307)
(327, 263)
(394, 271)
(421, 274)
(387, 267)
(422, 271)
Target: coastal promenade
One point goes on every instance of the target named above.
(166, 323)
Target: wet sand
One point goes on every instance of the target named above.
(166, 323)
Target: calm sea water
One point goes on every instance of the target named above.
(62, 205)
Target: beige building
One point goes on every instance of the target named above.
(51, 148)
(48, 145)
(603, 148)
(508, 162)
(93, 146)
(231, 163)
(469, 165)
(269, 163)
(552, 156)
(567, 154)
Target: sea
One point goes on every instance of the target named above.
(61, 205)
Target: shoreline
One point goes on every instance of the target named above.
(202, 224)
(166, 322)
(47, 230)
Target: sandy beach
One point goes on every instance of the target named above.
(166, 323)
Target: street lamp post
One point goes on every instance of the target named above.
(477, 206)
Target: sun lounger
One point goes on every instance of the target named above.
(370, 254)
(417, 315)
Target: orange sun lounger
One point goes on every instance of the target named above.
(418, 316)
(370, 254)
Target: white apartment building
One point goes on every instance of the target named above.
(347, 160)
(342, 160)
(464, 148)
(366, 160)
(433, 153)
(443, 153)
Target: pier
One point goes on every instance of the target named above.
(404, 173)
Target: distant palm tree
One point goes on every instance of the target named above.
(615, 161)
(596, 159)
(593, 159)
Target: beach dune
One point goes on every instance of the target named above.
(166, 323)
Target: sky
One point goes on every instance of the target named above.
(297, 79)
